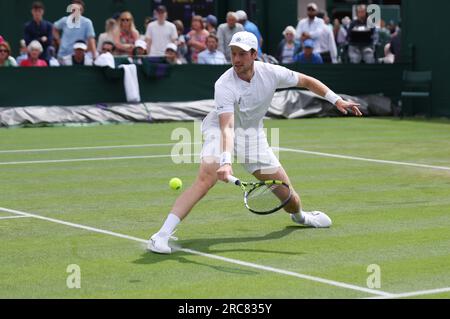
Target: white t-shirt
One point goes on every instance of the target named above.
(314, 28)
(249, 101)
(161, 36)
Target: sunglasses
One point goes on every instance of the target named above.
(3, 51)
(123, 20)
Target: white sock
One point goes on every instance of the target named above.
(170, 224)
(300, 216)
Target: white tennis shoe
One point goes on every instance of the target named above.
(314, 219)
(159, 243)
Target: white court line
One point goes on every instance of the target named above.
(413, 294)
(13, 217)
(91, 148)
(228, 260)
(92, 159)
(361, 158)
(284, 149)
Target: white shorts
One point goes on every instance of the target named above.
(251, 151)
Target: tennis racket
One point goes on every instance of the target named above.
(264, 197)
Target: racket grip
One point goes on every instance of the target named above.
(234, 180)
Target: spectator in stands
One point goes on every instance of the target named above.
(384, 34)
(326, 44)
(23, 52)
(308, 56)
(5, 59)
(310, 28)
(160, 33)
(147, 21)
(71, 33)
(226, 31)
(34, 51)
(393, 28)
(211, 55)
(108, 35)
(196, 38)
(125, 34)
(108, 46)
(79, 56)
(181, 41)
(250, 27)
(396, 46)
(211, 24)
(39, 29)
(53, 61)
(172, 55)
(140, 50)
(361, 38)
(340, 33)
(289, 47)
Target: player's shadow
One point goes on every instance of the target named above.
(204, 245)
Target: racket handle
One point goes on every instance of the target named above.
(234, 180)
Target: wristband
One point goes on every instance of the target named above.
(332, 97)
(225, 158)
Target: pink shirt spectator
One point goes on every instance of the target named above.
(199, 37)
(28, 62)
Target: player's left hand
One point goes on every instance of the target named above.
(344, 106)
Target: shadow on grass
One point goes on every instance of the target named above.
(204, 245)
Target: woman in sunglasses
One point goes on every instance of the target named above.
(5, 58)
(125, 34)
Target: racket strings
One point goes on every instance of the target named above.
(267, 197)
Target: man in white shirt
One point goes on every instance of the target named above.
(326, 45)
(211, 55)
(160, 33)
(243, 95)
(311, 27)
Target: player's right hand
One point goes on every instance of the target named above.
(223, 172)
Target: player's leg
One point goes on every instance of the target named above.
(294, 204)
(206, 179)
(294, 208)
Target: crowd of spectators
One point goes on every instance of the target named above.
(315, 40)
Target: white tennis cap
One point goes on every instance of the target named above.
(172, 46)
(244, 40)
(80, 45)
(140, 44)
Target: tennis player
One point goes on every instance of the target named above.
(243, 95)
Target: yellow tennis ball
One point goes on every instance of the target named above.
(175, 183)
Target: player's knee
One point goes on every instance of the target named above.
(205, 182)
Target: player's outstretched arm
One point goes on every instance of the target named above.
(321, 89)
(226, 121)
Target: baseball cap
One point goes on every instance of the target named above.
(312, 5)
(80, 45)
(308, 43)
(161, 9)
(140, 44)
(172, 46)
(242, 15)
(244, 40)
(211, 19)
(1, 39)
